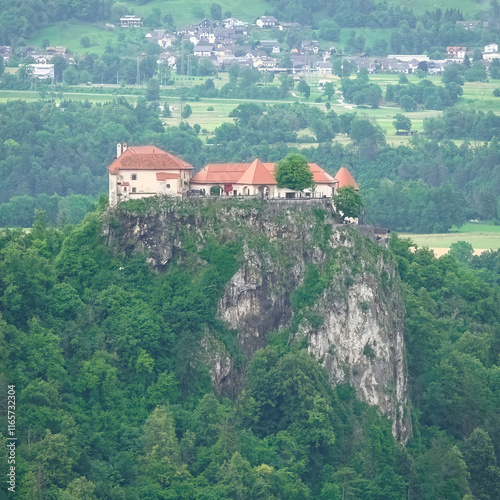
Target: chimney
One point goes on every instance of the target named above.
(118, 150)
(125, 146)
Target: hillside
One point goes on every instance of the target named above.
(172, 358)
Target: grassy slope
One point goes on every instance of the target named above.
(69, 33)
(468, 7)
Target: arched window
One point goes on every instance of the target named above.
(133, 177)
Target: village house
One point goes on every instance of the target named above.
(265, 62)
(324, 67)
(272, 45)
(131, 21)
(266, 22)
(55, 51)
(471, 25)
(310, 46)
(456, 52)
(203, 50)
(489, 56)
(231, 22)
(289, 26)
(143, 171)
(5, 52)
(161, 37)
(491, 48)
(168, 59)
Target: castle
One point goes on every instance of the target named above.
(143, 171)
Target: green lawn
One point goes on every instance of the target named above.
(481, 236)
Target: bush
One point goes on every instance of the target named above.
(210, 108)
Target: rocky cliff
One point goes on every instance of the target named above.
(301, 278)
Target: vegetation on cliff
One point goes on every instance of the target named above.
(115, 398)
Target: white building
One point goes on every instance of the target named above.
(489, 56)
(266, 22)
(492, 47)
(41, 71)
(143, 171)
(131, 21)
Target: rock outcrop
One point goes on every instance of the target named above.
(301, 275)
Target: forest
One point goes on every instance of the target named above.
(50, 153)
(116, 402)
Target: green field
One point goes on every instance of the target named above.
(477, 95)
(481, 236)
(468, 7)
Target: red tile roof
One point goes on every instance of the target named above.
(257, 173)
(345, 178)
(147, 158)
(253, 173)
(220, 173)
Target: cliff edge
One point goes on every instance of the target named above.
(300, 278)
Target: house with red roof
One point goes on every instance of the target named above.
(257, 179)
(143, 171)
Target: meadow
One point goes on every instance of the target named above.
(481, 236)
(469, 8)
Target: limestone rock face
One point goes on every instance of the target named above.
(323, 284)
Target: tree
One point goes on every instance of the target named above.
(85, 41)
(407, 103)
(329, 30)
(304, 88)
(293, 172)
(166, 110)
(463, 251)
(206, 68)
(482, 465)
(348, 202)
(329, 90)
(119, 9)
(401, 122)
(186, 111)
(153, 90)
(453, 74)
(216, 11)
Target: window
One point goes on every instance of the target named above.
(168, 185)
(134, 190)
(133, 177)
